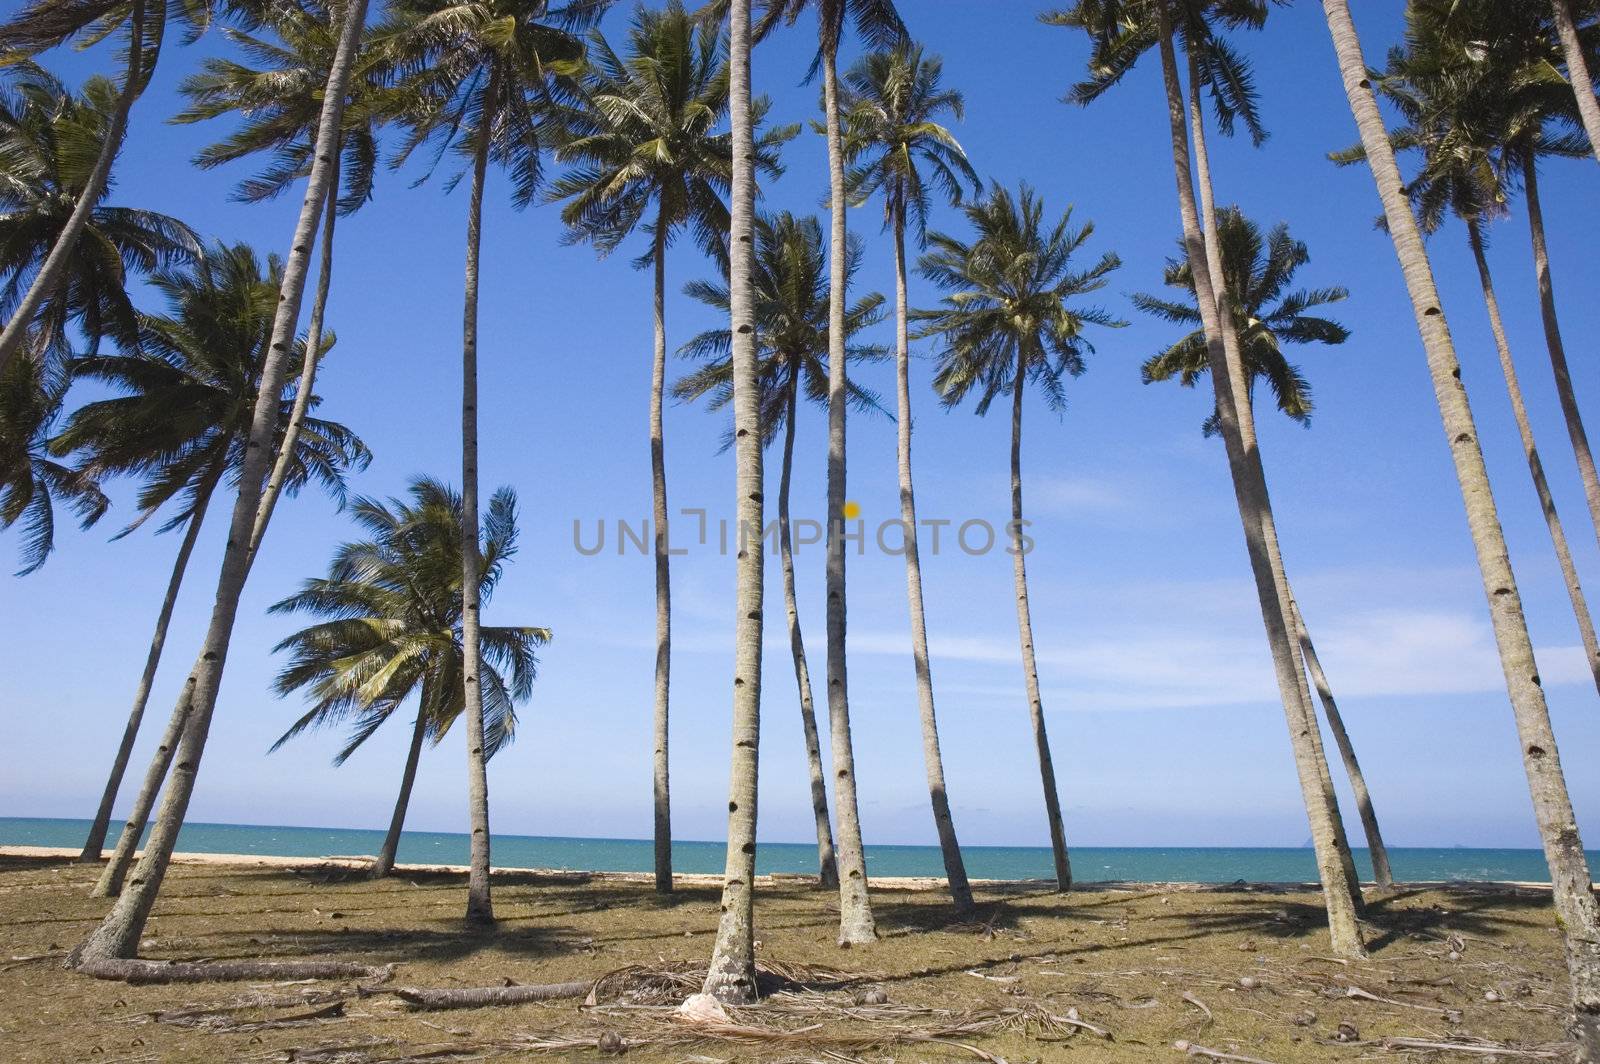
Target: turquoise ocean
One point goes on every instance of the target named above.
(1090, 863)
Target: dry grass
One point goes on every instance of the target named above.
(1106, 975)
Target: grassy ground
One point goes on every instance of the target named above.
(1235, 971)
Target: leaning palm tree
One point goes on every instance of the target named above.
(392, 604)
(1577, 63)
(731, 973)
(480, 77)
(49, 137)
(1121, 31)
(879, 25)
(893, 103)
(644, 149)
(1472, 113)
(1572, 883)
(791, 320)
(180, 423)
(32, 480)
(110, 947)
(1011, 316)
(1268, 316)
(45, 24)
(279, 100)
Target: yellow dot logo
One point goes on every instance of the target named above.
(851, 511)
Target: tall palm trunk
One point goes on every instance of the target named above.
(1030, 667)
(1310, 733)
(658, 489)
(1552, 336)
(856, 925)
(118, 934)
(109, 885)
(1382, 873)
(1547, 502)
(827, 866)
(480, 906)
(1250, 494)
(1578, 72)
(52, 274)
(141, 696)
(391, 841)
(955, 869)
(1572, 885)
(731, 976)
(310, 360)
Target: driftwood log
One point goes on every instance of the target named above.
(478, 997)
(144, 971)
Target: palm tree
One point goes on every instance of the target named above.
(1572, 51)
(279, 101)
(1472, 119)
(731, 974)
(893, 103)
(644, 148)
(49, 138)
(1011, 316)
(477, 77)
(392, 604)
(879, 25)
(1121, 30)
(45, 24)
(1267, 317)
(32, 481)
(791, 321)
(1572, 883)
(181, 423)
(117, 936)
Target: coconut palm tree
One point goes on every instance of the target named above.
(116, 938)
(1121, 30)
(878, 24)
(479, 78)
(278, 101)
(1572, 51)
(893, 104)
(791, 320)
(45, 24)
(392, 604)
(644, 148)
(1012, 316)
(49, 137)
(180, 422)
(32, 480)
(731, 974)
(1571, 880)
(1268, 316)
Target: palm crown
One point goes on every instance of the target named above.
(790, 287)
(49, 139)
(183, 417)
(892, 104)
(1009, 306)
(1267, 314)
(393, 606)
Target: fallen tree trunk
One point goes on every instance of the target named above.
(143, 971)
(478, 997)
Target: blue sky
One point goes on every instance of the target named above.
(1157, 687)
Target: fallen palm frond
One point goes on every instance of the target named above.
(1191, 1050)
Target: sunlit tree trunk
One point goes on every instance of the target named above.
(480, 905)
(118, 934)
(391, 840)
(662, 792)
(1572, 884)
(141, 696)
(52, 273)
(731, 976)
(856, 925)
(1547, 502)
(1578, 72)
(1250, 491)
(955, 869)
(1030, 667)
(109, 885)
(827, 867)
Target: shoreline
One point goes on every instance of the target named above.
(907, 883)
